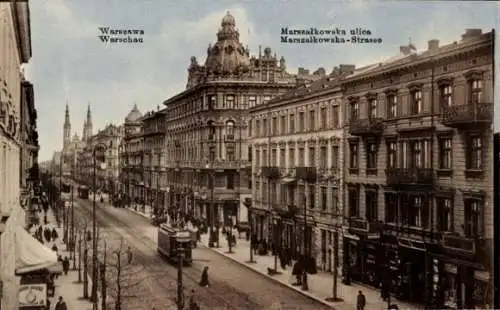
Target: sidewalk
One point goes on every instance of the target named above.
(148, 211)
(320, 284)
(67, 286)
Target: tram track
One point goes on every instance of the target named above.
(219, 295)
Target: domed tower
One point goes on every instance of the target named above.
(227, 55)
(132, 123)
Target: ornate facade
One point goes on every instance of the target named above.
(72, 147)
(29, 133)
(153, 133)
(15, 48)
(206, 147)
(418, 194)
(297, 169)
(131, 158)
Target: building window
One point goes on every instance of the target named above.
(274, 157)
(323, 157)
(323, 117)
(475, 153)
(472, 217)
(312, 196)
(265, 160)
(323, 199)
(212, 102)
(250, 128)
(353, 157)
(283, 124)
(252, 101)
(274, 126)
(250, 153)
(475, 91)
(335, 157)
(264, 127)
(282, 158)
(292, 123)
(312, 157)
(291, 157)
(335, 116)
(312, 120)
(230, 181)
(391, 208)
(371, 205)
(392, 154)
(257, 158)
(417, 154)
(211, 154)
(353, 200)
(445, 214)
(257, 128)
(354, 110)
(416, 102)
(371, 158)
(301, 121)
(392, 106)
(302, 157)
(446, 95)
(230, 130)
(372, 108)
(334, 202)
(445, 153)
(229, 102)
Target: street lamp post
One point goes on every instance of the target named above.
(183, 238)
(248, 204)
(94, 230)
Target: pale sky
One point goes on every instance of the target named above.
(71, 64)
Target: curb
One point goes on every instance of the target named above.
(308, 295)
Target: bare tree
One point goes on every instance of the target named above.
(124, 277)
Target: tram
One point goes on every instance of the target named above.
(168, 246)
(83, 192)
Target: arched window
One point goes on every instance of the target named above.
(230, 130)
(211, 130)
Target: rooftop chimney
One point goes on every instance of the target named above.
(471, 33)
(432, 45)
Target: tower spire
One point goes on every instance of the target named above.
(87, 125)
(66, 128)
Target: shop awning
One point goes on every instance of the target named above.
(31, 255)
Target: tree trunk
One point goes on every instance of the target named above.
(118, 282)
(85, 273)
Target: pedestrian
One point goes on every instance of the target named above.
(361, 303)
(61, 304)
(54, 248)
(129, 255)
(54, 234)
(204, 277)
(65, 265)
(47, 234)
(193, 305)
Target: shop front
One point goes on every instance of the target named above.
(36, 265)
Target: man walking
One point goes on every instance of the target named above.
(361, 301)
(61, 304)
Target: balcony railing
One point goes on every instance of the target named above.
(229, 138)
(360, 225)
(308, 174)
(411, 176)
(366, 127)
(271, 172)
(459, 243)
(458, 116)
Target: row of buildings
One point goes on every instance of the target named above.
(18, 146)
(383, 172)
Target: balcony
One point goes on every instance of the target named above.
(308, 174)
(467, 115)
(229, 138)
(368, 127)
(362, 226)
(271, 172)
(459, 244)
(409, 177)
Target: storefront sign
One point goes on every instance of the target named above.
(32, 295)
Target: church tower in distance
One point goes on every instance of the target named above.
(67, 129)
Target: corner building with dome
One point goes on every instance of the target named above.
(208, 157)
